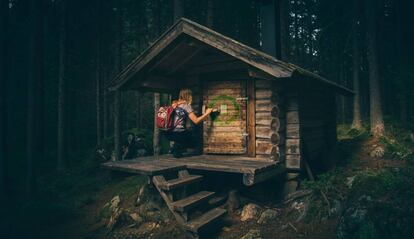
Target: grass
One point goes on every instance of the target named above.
(66, 196)
(385, 194)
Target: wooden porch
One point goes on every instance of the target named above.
(252, 170)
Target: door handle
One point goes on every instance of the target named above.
(242, 99)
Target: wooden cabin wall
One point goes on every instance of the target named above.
(268, 124)
(293, 132)
(317, 128)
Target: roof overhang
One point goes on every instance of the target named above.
(180, 46)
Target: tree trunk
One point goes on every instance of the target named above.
(284, 34)
(98, 76)
(403, 109)
(139, 109)
(403, 94)
(118, 40)
(4, 76)
(377, 123)
(210, 14)
(178, 9)
(278, 30)
(341, 97)
(117, 96)
(117, 125)
(61, 140)
(105, 113)
(356, 121)
(296, 33)
(35, 95)
(156, 134)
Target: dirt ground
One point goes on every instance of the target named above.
(89, 222)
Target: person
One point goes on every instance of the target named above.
(134, 147)
(181, 135)
(128, 148)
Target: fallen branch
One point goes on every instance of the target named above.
(294, 228)
(327, 202)
(296, 195)
(339, 194)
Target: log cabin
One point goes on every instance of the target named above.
(274, 116)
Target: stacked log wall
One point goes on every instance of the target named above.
(268, 124)
(293, 131)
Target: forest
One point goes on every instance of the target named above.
(59, 121)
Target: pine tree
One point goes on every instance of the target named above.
(376, 117)
(356, 122)
(35, 96)
(117, 95)
(4, 76)
(98, 74)
(62, 88)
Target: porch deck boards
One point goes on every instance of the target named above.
(252, 169)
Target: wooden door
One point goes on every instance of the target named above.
(225, 132)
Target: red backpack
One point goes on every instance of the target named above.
(165, 118)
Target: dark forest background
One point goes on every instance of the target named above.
(58, 55)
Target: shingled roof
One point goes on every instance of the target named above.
(185, 29)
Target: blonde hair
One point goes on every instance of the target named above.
(186, 95)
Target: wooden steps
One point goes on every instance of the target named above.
(180, 182)
(188, 207)
(205, 220)
(192, 201)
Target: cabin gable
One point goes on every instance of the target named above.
(269, 110)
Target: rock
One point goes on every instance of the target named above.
(148, 228)
(354, 218)
(249, 212)
(151, 211)
(233, 201)
(268, 215)
(378, 152)
(336, 207)
(350, 181)
(148, 207)
(351, 222)
(252, 234)
(114, 220)
(141, 195)
(136, 218)
(302, 208)
(298, 205)
(226, 229)
(296, 195)
(114, 205)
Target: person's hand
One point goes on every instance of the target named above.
(174, 105)
(209, 110)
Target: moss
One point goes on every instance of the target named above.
(394, 149)
(104, 213)
(129, 186)
(367, 231)
(387, 196)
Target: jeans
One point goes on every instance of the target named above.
(182, 140)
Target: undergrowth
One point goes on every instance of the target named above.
(368, 203)
(63, 196)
